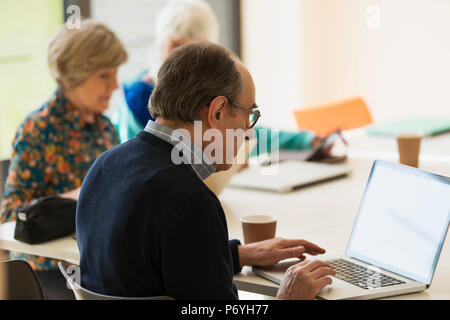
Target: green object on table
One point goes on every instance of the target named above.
(424, 126)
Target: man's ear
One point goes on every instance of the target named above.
(216, 111)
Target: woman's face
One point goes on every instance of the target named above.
(94, 92)
(171, 44)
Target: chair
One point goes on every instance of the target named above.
(323, 119)
(4, 166)
(18, 281)
(84, 294)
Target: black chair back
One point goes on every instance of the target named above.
(4, 166)
(18, 281)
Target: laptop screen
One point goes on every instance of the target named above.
(402, 221)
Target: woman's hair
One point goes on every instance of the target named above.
(182, 19)
(75, 54)
(191, 77)
(187, 19)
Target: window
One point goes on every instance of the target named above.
(25, 81)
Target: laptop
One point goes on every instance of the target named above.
(287, 176)
(396, 239)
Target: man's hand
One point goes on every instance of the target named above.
(324, 152)
(73, 194)
(270, 252)
(304, 280)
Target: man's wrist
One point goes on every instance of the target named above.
(244, 256)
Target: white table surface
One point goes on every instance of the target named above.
(322, 213)
(363, 145)
(63, 249)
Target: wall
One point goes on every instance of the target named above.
(133, 21)
(399, 64)
(401, 67)
(25, 81)
(272, 51)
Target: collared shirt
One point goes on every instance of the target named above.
(52, 152)
(199, 161)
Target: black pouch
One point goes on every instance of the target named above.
(45, 219)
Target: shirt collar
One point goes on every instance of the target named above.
(199, 161)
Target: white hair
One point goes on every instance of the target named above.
(187, 19)
(183, 19)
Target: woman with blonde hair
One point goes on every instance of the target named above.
(56, 144)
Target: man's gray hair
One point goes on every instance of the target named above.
(191, 77)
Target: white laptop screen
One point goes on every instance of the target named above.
(402, 221)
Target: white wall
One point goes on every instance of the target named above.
(402, 68)
(272, 52)
(133, 21)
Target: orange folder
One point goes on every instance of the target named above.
(323, 119)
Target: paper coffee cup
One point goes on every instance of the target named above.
(409, 148)
(258, 227)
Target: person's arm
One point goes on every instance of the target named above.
(27, 176)
(303, 280)
(73, 194)
(286, 140)
(196, 261)
(235, 244)
(270, 252)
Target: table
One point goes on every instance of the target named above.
(322, 213)
(63, 249)
(363, 145)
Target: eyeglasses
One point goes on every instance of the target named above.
(256, 113)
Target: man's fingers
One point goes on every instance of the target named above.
(296, 252)
(309, 246)
(310, 267)
(324, 281)
(312, 248)
(323, 271)
(302, 263)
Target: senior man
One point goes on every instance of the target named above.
(146, 223)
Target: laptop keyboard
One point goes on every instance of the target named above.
(361, 276)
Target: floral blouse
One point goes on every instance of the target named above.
(52, 152)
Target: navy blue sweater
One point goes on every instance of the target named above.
(148, 227)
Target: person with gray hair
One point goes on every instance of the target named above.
(178, 23)
(147, 225)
